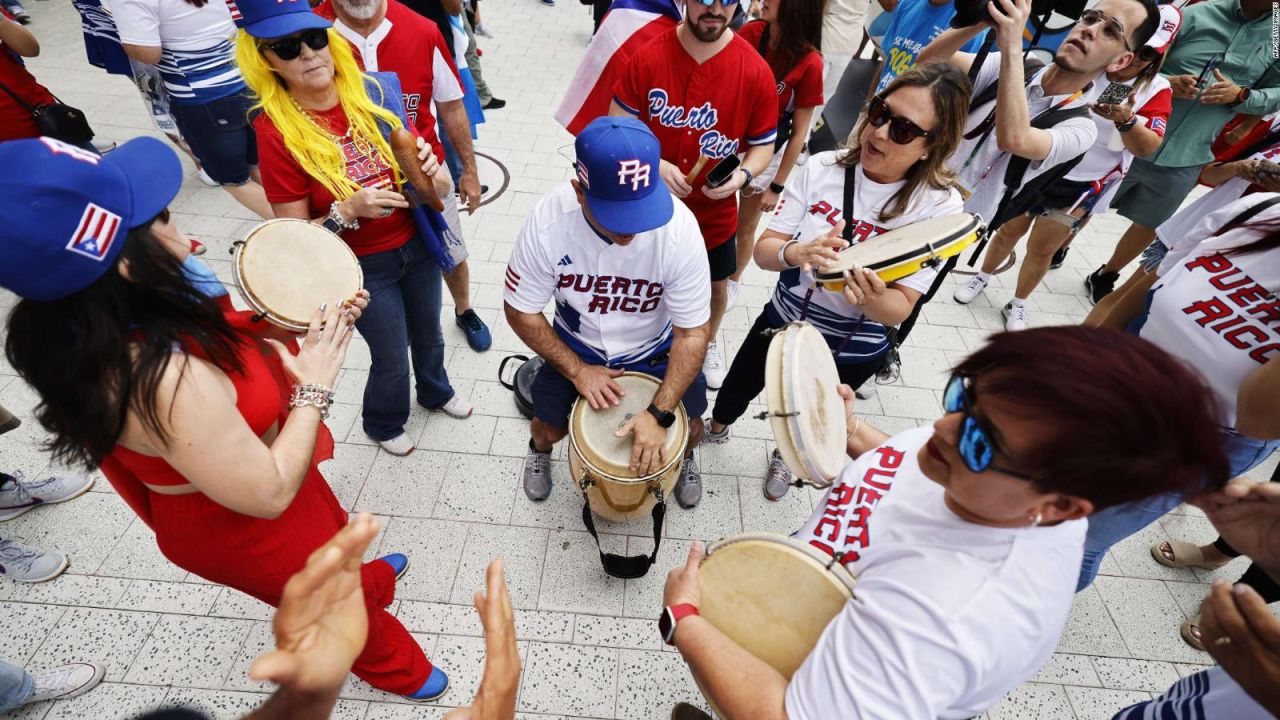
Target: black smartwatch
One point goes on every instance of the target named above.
(664, 418)
(775, 187)
(750, 177)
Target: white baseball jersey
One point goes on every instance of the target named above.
(615, 304)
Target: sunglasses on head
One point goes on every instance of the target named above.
(290, 47)
(1111, 27)
(977, 444)
(901, 130)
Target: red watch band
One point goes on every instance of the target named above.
(682, 611)
(671, 616)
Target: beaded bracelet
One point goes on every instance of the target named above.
(316, 396)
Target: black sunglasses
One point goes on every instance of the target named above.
(901, 130)
(288, 48)
(977, 446)
(1111, 27)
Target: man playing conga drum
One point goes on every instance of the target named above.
(629, 275)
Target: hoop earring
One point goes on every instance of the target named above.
(1035, 521)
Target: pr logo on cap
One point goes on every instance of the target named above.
(635, 172)
(79, 153)
(95, 233)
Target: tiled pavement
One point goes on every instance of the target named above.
(588, 643)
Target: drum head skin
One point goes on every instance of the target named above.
(286, 268)
(805, 408)
(773, 595)
(592, 431)
(902, 251)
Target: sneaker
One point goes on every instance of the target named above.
(477, 332)
(483, 30)
(206, 179)
(970, 290)
(25, 19)
(398, 562)
(8, 421)
(549, 2)
(866, 390)
(18, 496)
(732, 287)
(1015, 317)
(65, 682)
(197, 248)
(27, 563)
(495, 103)
(713, 437)
(399, 445)
(685, 711)
(1059, 258)
(688, 490)
(435, 686)
(777, 479)
(457, 407)
(713, 367)
(537, 474)
(1100, 283)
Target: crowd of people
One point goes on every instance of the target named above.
(968, 538)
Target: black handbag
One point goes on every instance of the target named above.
(57, 119)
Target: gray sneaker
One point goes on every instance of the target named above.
(777, 479)
(537, 475)
(688, 490)
(67, 681)
(18, 496)
(713, 437)
(26, 563)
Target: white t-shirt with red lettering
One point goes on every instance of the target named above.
(1108, 160)
(948, 616)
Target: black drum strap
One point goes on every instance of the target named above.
(850, 186)
(621, 566)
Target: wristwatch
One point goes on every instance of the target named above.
(334, 223)
(775, 187)
(670, 616)
(664, 418)
(1127, 125)
(1242, 95)
(750, 177)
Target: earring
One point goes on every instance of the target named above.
(1039, 517)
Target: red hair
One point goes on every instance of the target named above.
(1128, 420)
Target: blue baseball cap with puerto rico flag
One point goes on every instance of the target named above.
(618, 168)
(66, 209)
(268, 19)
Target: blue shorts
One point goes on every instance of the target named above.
(554, 394)
(220, 136)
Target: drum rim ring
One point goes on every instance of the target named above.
(841, 572)
(251, 298)
(975, 224)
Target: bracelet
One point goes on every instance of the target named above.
(782, 255)
(775, 187)
(316, 396)
(857, 424)
(1127, 125)
(336, 216)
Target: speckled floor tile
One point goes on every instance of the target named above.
(759, 514)
(1126, 674)
(136, 556)
(110, 701)
(650, 683)
(1066, 669)
(1090, 629)
(189, 652)
(170, 597)
(1101, 704)
(24, 627)
(523, 551)
(644, 594)
(718, 514)
(347, 472)
(434, 548)
(574, 581)
(569, 680)
(232, 603)
(405, 486)
(478, 488)
(637, 633)
(1148, 617)
(113, 637)
(1033, 700)
(82, 590)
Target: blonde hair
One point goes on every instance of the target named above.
(309, 144)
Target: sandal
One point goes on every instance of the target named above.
(1185, 555)
(1191, 633)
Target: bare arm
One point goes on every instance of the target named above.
(688, 348)
(1142, 141)
(1217, 173)
(740, 684)
(458, 127)
(148, 54)
(946, 47)
(799, 134)
(18, 39)
(538, 334)
(453, 7)
(1013, 118)
(1257, 412)
(616, 110)
(758, 158)
(863, 436)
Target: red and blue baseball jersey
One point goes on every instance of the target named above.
(718, 108)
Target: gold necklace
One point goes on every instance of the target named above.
(363, 146)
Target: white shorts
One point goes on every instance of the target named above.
(457, 249)
(760, 183)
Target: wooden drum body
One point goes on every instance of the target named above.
(805, 408)
(902, 251)
(286, 268)
(598, 461)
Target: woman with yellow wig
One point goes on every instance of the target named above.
(324, 154)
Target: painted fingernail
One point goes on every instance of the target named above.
(324, 306)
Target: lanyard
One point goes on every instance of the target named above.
(990, 125)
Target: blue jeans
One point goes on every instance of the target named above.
(1110, 526)
(403, 312)
(16, 685)
(220, 136)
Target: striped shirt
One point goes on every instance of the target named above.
(197, 60)
(1207, 695)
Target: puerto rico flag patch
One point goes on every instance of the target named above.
(95, 233)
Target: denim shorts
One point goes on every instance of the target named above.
(554, 394)
(220, 136)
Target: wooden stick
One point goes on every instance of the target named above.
(697, 168)
(405, 150)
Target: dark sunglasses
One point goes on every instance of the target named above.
(901, 130)
(977, 441)
(726, 3)
(1111, 28)
(288, 48)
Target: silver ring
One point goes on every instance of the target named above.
(386, 212)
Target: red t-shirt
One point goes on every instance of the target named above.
(16, 121)
(285, 181)
(411, 47)
(801, 86)
(714, 109)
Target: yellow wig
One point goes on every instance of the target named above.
(312, 147)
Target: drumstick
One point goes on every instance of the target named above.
(405, 150)
(697, 168)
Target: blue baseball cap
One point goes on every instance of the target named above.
(618, 160)
(66, 209)
(268, 19)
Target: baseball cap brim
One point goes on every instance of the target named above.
(154, 175)
(278, 26)
(633, 215)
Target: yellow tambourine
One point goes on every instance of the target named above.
(902, 251)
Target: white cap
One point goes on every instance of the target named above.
(1170, 21)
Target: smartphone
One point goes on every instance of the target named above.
(1115, 94)
(1207, 72)
(723, 170)
(1266, 166)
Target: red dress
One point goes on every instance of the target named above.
(257, 556)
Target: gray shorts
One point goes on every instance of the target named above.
(456, 248)
(1151, 194)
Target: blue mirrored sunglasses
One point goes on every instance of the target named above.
(726, 3)
(977, 448)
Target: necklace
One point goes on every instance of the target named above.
(362, 146)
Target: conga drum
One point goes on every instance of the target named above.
(599, 462)
(773, 595)
(902, 251)
(286, 268)
(806, 411)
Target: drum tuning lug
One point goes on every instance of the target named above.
(657, 493)
(585, 482)
(837, 558)
(766, 415)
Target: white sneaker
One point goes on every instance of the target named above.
(204, 178)
(399, 445)
(457, 407)
(65, 682)
(970, 290)
(713, 367)
(483, 30)
(1015, 317)
(866, 390)
(18, 496)
(27, 563)
(731, 288)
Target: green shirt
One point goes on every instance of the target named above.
(1209, 28)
